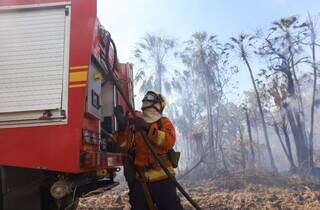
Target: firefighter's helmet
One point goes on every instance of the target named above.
(151, 99)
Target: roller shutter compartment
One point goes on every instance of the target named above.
(33, 63)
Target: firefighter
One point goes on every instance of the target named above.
(144, 171)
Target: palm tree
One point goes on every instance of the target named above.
(152, 56)
(241, 45)
(283, 50)
(201, 56)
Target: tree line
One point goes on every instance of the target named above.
(276, 118)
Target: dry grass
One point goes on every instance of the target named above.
(253, 190)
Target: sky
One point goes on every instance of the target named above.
(129, 20)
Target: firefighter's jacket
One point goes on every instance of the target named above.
(162, 140)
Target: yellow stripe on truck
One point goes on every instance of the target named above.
(80, 76)
(78, 68)
(77, 86)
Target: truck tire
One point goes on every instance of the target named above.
(49, 203)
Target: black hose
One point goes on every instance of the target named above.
(143, 133)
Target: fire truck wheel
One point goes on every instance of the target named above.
(66, 203)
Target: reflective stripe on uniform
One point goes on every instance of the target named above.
(160, 137)
(157, 174)
(123, 144)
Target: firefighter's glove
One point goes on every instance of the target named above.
(122, 120)
(141, 124)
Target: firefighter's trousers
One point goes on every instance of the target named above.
(163, 193)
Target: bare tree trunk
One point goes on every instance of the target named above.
(242, 149)
(209, 118)
(209, 108)
(298, 93)
(301, 147)
(223, 158)
(287, 140)
(276, 128)
(262, 116)
(257, 139)
(299, 116)
(293, 115)
(314, 90)
(250, 136)
(189, 148)
(217, 120)
(197, 138)
(255, 121)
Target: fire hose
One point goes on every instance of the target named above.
(109, 71)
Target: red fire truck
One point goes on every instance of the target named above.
(56, 103)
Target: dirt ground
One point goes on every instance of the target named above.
(236, 191)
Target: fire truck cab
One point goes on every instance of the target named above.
(56, 103)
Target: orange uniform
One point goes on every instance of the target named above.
(163, 139)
